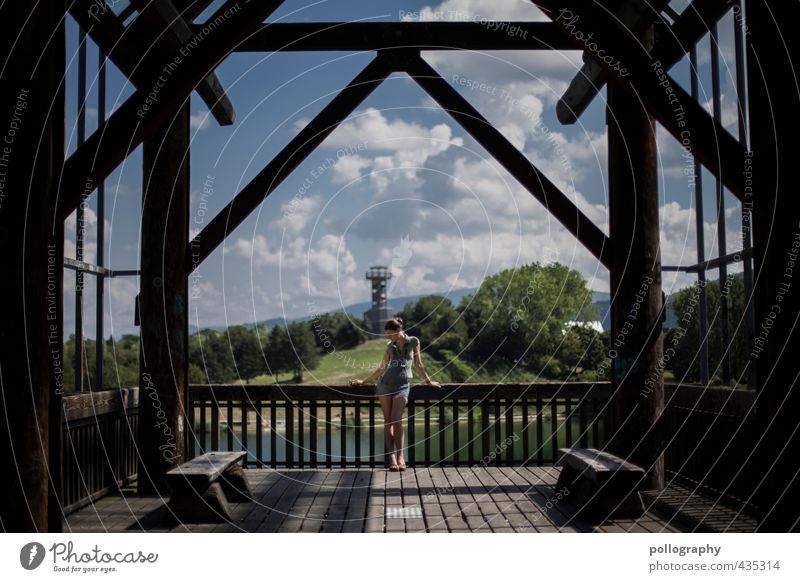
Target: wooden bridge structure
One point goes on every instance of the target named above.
(63, 451)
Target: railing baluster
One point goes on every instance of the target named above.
(508, 441)
(357, 428)
(203, 428)
(328, 443)
(526, 432)
(244, 431)
(485, 444)
(191, 406)
(343, 435)
(554, 429)
(372, 432)
(456, 427)
(568, 419)
(440, 432)
(259, 419)
(539, 430)
(411, 420)
(596, 407)
(288, 427)
(427, 432)
(470, 432)
(229, 416)
(301, 437)
(215, 404)
(273, 433)
(312, 432)
(497, 428)
(584, 440)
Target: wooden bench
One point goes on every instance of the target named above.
(202, 487)
(600, 485)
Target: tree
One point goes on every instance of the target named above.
(278, 352)
(519, 315)
(292, 348)
(334, 331)
(246, 352)
(209, 353)
(582, 352)
(682, 342)
(304, 350)
(434, 319)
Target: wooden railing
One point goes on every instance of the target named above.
(98, 445)
(315, 426)
(711, 432)
(712, 435)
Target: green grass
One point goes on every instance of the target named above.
(339, 366)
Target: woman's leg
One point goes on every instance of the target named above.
(398, 405)
(388, 437)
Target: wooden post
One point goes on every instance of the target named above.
(163, 303)
(31, 353)
(636, 301)
(772, 47)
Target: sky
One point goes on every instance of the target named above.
(399, 183)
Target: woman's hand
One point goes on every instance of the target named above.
(356, 382)
(434, 383)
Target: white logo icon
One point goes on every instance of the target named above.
(31, 555)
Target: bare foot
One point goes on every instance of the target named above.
(393, 463)
(401, 463)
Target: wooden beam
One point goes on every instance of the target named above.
(773, 46)
(514, 161)
(283, 164)
(191, 9)
(637, 16)
(635, 273)
(164, 304)
(629, 65)
(126, 48)
(373, 36)
(160, 17)
(455, 391)
(32, 109)
(671, 46)
(154, 103)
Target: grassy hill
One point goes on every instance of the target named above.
(339, 366)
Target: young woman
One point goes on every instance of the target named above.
(393, 388)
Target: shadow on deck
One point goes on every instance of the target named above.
(425, 499)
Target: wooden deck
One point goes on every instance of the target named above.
(429, 499)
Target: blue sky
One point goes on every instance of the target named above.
(399, 184)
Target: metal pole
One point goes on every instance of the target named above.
(724, 284)
(702, 326)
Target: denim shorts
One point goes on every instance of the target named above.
(384, 390)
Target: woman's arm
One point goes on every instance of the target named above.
(379, 370)
(420, 368)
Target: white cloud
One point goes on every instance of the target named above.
(297, 213)
(390, 148)
(200, 120)
(324, 272)
(470, 10)
(349, 168)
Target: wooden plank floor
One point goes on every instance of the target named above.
(426, 499)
